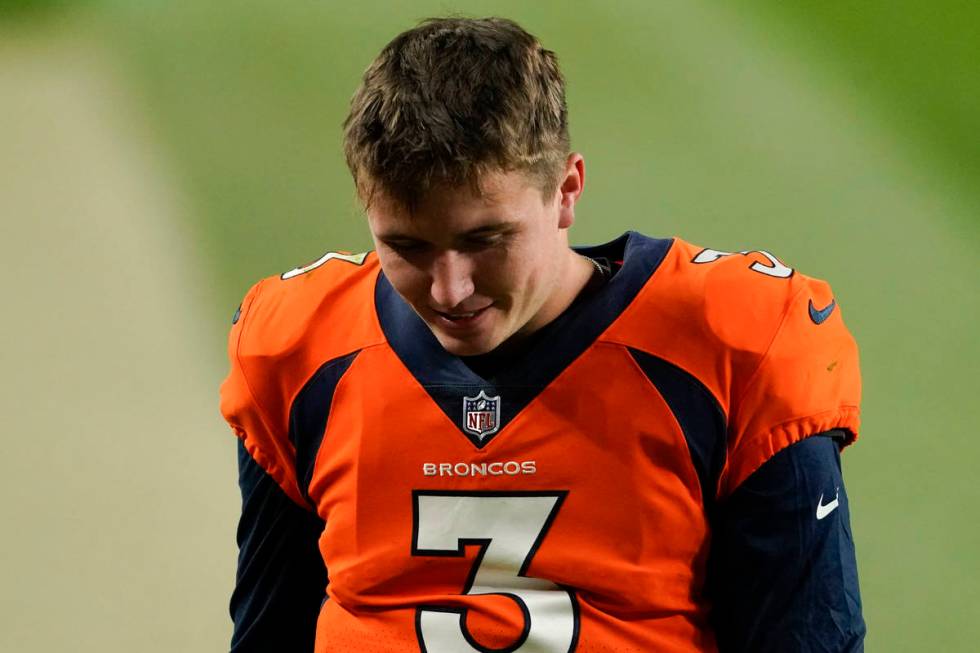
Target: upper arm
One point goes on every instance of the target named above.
(254, 398)
(783, 574)
(806, 380)
(281, 579)
(284, 331)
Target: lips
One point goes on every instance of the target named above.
(459, 320)
(461, 316)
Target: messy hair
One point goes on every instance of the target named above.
(450, 100)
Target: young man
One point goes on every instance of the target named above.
(489, 441)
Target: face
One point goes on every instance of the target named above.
(483, 270)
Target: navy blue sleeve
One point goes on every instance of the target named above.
(281, 579)
(782, 571)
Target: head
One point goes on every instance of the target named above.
(457, 140)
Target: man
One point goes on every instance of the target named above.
(476, 438)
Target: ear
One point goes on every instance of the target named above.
(570, 189)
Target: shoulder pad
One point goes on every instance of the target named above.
(705, 304)
(288, 326)
(768, 342)
(328, 305)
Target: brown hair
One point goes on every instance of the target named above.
(451, 99)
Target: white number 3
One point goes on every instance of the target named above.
(774, 269)
(356, 259)
(508, 527)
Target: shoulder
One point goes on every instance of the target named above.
(324, 305)
(757, 311)
(739, 297)
(722, 301)
(767, 342)
(287, 328)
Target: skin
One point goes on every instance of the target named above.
(485, 271)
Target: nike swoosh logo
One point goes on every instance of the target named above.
(824, 509)
(820, 315)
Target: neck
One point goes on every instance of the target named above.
(571, 279)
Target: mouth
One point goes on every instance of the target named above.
(459, 320)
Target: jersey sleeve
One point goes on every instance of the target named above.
(807, 381)
(252, 411)
(281, 579)
(783, 574)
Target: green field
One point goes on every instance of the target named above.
(840, 136)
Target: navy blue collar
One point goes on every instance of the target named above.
(448, 379)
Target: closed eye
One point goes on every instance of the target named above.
(483, 241)
(405, 246)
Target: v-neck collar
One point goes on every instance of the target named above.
(450, 382)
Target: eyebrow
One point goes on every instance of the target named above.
(493, 227)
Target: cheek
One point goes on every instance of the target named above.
(525, 273)
(498, 272)
(407, 279)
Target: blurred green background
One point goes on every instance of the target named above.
(156, 158)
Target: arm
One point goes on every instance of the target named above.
(281, 579)
(783, 572)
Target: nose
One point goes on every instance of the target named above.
(452, 280)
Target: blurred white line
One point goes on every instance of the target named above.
(118, 477)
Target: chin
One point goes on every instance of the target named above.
(458, 347)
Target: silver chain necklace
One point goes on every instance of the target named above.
(599, 267)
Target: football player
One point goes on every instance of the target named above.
(478, 438)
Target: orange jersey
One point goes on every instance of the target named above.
(562, 505)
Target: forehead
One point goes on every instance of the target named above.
(502, 197)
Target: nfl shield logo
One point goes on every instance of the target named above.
(481, 415)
